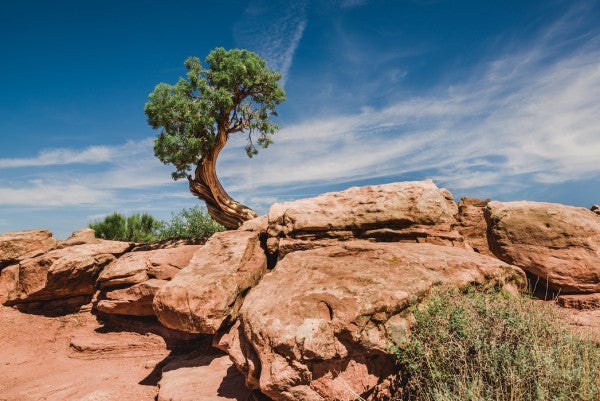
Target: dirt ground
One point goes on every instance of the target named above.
(74, 357)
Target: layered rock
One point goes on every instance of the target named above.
(209, 291)
(137, 267)
(318, 326)
(134, 301)
(16, 246)
(579, 301)
(406, 211)
(472, 225)
(557, 243)
(61, 273)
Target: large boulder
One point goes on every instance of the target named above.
(16, 246)
(133, 301)
(209, 291)
(61, 273)
(319, 326)
(472, 225)
(559, 244)
(404, 211)
(137, 267)
(81, 237)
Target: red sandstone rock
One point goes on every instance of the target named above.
(62, 273)
(558, 243)
(135, 300)
(472, 225)
(137, 267)
(80, 237)
(210, 289)
(406, 211)
(317, 327)
(16, 246)
(580, 301)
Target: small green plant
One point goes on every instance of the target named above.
(136, 227)
(479, 346)
(190, 223)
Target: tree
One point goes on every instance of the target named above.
(236, 93)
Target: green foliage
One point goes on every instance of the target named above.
(236, 92)
(492, 346)
(136, 228)
(190, 223)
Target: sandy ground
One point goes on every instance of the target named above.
(74, 357)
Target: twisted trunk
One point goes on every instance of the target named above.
(206, 186)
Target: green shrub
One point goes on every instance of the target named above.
(136, 228)
(480, 346)
(190, 223)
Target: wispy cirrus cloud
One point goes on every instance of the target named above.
(274, 30)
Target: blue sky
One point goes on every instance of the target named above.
(497, 99)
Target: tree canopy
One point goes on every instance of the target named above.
(235, 93)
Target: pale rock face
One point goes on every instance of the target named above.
(16, 246)
(62, 273)
(210, 290)
(318, 326)
(559, 244)
(415, 211)
(134, 301)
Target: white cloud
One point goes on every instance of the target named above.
(273, 30)
(38, 193)
(530, 115)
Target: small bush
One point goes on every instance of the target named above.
(136, 228)
(190, 223)
(483, 346)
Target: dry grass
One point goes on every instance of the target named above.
(474, 345)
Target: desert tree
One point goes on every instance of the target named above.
(234, 93)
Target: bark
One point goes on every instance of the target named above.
(206, 186)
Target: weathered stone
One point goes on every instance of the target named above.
(137, 267)
(135, 300)
(259, 224)
(406, 211)
(318, 326)
(204, 378)
(580, 301)
(63, 273)
(81, 237)
(209, 291)
(557, 243)
(16, 246)
(472, 225)
(596, 209)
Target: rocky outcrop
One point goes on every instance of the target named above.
(134, 301)
(16, 246)
(596, 209)
(318, 326)
(204, 378)
(557, 243)
(80, 237)
(406, 211)
(472, 225)
(209, 291)
(137, 267)
(61, 273)
(579, 301)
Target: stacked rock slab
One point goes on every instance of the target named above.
(16, 246)
(472, 225)
(559, 244)
(209, 291)
(318, 327)
(129, 283)
(416, 211)
(61, 273)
